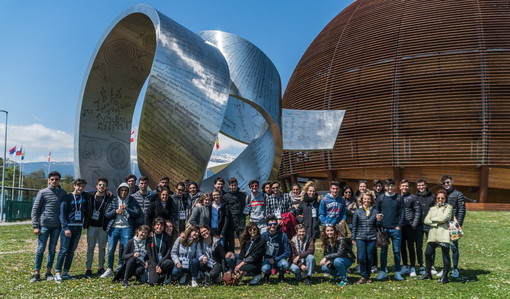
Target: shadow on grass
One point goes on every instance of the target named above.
(470, 275)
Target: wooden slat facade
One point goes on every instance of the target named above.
(424, 84)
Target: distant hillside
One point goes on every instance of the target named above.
(65, 168)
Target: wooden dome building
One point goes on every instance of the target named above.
(426, 89)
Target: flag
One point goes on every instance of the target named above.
(20, 151)
(23, 156)
(49, 157)
(132, 137)
(12, 151)
(217, 143)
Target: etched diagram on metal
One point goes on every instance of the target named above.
(198, 85)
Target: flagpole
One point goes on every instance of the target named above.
(2, 218)
(20, 184)
(49, 159)
(13, 179)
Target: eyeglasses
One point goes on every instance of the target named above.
(447, 183)
(272, 224)
(55, 179)
(253, 229)
(347, 192)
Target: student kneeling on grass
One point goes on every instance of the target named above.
(277, 250)
(338, 255)
(135, 257)
(185, 254)
(303, 248)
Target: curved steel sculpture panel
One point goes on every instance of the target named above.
(183, 108)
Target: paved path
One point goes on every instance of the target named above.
(15, 223)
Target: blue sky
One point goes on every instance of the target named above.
(47, 45)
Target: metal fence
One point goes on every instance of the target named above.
(18, 205)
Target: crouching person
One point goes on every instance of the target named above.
(185, 254)
(159, 248)
(135, 257)
(212, 261)
(250, 258)
(338, 256)
(303, 248)
(277, 250)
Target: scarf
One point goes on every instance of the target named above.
(309, 199)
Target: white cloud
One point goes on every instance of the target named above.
(38, 140)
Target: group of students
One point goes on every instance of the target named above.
(165, 236)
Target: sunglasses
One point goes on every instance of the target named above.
(272, 224)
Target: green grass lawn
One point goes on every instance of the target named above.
(484, 267)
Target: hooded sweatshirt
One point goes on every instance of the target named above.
(332, 210)
(126, 219)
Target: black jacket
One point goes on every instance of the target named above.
(102, 212)
(253, 251)
(129, 252)
(218, 253)
(235, 202)
(156, 210)
(312, 223)
(412, 210)
(426, 200)
(365, 227)
(153, 251)
(456, 200)
(341, 248)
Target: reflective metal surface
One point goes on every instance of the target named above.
(310, 129)
(253, 112)
(183, 108)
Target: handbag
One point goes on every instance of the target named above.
(455, 230)
(230, 279)
(381, 239)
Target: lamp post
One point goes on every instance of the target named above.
(3, 168)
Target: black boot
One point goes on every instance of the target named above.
(444, 278)
(427, 275)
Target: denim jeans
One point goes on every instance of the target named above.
(339, 268)
(366, 249)
(310, 264)
(46, 232)
(194, 266)
(455, 253)
(114, 235)
(396, 237)
(281, 266)
(67, 248)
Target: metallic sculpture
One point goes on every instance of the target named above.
(198, 85)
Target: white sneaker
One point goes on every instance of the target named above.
(433, 271)
(107, 273)
(58, 278)
(374, 269)
(455, 273)
(439, 274)
(194, 283)
(413, 272)
(422, 270)
(404, 270)
(382, 275)
(183, 278)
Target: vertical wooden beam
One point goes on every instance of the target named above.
(293, 179)
(331, 176)
(397, 176)
(483, 189)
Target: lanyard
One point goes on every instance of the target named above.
(160, 242)
(77, 207)
(94, 203)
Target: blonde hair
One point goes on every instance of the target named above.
(306, 187)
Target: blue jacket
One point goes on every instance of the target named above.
(332, 210)
(68, 207)
(280, 244)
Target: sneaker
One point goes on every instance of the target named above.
(308, 281)
(343, 283)
(266, 278)
(118, 268)
(88, 273)
(382, 275)
(67, 275)
(49, 276)
(357, 270)
(125, 283)
(35, 277)
(362, 280)
(183, 278)
(439, 274)
(413, 272)
(256, 279)
(433, 271)
(398, 276)
(58, 278)
(168, 279)
(100, 271)
(374, 269)
(422, 270)
(405, 270)
(107, 273)
(194, 283)
(455, 273)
